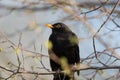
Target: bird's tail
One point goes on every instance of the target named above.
(62, 76)
(78, 73)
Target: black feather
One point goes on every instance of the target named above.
(64, 44)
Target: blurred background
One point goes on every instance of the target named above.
(24, 36)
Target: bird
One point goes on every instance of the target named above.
(64, 45)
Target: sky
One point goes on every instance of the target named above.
(16, 21)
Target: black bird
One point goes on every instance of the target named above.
(64, 45)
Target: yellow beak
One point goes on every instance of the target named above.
(49, 25)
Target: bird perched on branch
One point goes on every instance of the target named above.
(64, 50)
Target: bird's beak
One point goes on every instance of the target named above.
(49, 25)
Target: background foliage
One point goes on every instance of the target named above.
(23, 37)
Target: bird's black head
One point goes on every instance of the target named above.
(59, 27)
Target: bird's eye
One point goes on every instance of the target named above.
(58, 26)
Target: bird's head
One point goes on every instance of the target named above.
(58, 27)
